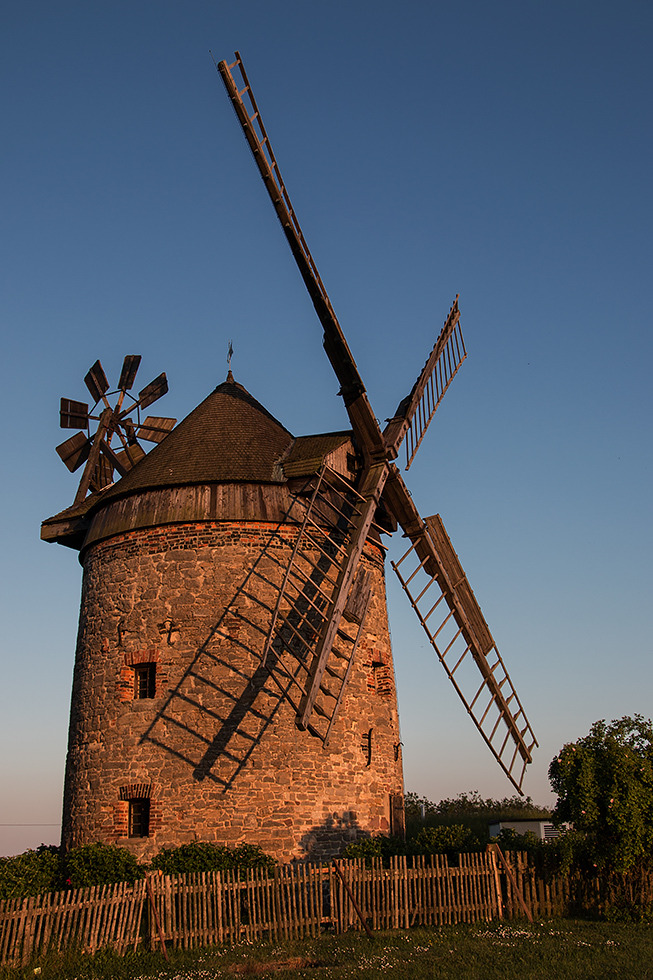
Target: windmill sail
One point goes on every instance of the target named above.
(437, 587)
(308, 643)
(415, 412)
(362, 417)
(307, 624)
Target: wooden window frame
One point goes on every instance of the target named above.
(144, 681)
(139, 818)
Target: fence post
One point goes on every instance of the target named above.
(513, 881)
(150, 895)
(353, 900)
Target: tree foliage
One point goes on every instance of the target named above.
(604, 783)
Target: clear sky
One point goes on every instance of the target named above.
(497, 150)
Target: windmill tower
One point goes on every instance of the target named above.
(233, 676)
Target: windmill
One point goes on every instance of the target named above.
(95, 450)
(430, 572)
(233, 675)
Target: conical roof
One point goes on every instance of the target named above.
(228, 438)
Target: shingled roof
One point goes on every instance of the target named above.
(228, 438)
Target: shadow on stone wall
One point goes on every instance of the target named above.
(327, 840)
(227, 667)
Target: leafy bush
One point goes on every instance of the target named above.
(31, 873)
(100, 864)
(430, 840)
(444, 840)
(371, 847)
(604, 783)
(509, 840)
(205, 856)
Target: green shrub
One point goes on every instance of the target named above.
(31, 873)
(430, 840)
(371, 847)
(444, 840)
(205, 856)
(100, 864)
(509, 840)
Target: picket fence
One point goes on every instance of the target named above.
(290, 902)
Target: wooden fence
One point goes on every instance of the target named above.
(290, 902)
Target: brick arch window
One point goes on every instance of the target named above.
(141, 676)
(137, 795)
(144, 681)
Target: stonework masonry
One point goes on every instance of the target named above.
(216, 750)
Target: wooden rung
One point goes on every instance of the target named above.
(299, 594)
(280, 669)
(297, 574)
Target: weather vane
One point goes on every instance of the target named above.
(230, 354)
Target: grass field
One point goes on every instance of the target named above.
(550, 950)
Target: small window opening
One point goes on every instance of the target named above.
(144, 681)
(139, 818)
(366, 746)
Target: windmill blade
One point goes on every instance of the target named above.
(152, 392)
(74, 451)
(130, 366)
(96, 382)
(414, 414)
(155, 429)
(102, 474)
(309, 651)
(352, 388)
(94, 476)
(72, 414)
(371, 494)
(437, 587)
(125, 459)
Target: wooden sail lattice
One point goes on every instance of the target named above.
(330, 526)
(416, 411)
(447, 609)
(409, 423)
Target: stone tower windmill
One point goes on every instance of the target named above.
(180, 728)
(233, 676)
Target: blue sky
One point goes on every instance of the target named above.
(497, 150)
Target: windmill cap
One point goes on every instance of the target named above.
(230, 437)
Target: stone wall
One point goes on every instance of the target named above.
(216, 751)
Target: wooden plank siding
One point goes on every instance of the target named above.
(290, 902)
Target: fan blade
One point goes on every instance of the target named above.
(102, 475)
(96, 382)
(446, 607)
(73, 415)
(92, 476)
(74, 451)
(128, 373)
(414, 414)
(155, 429)
(152, 392)
(352, 388)
(126, 459)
